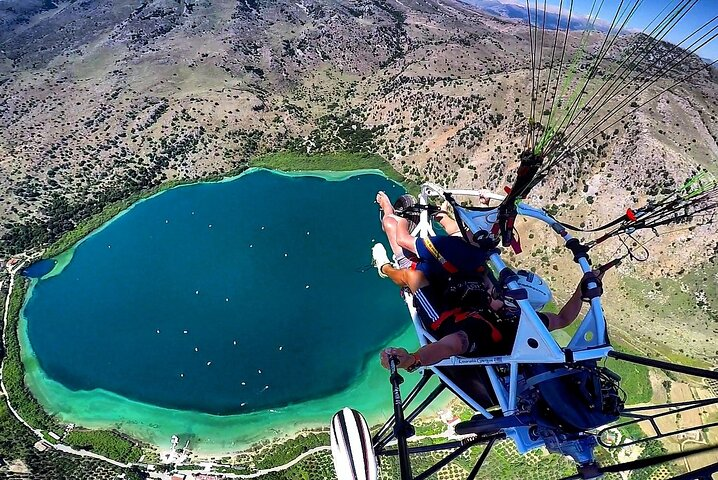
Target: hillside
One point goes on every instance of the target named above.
(101, 99)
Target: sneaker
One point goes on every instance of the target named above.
(379, 258)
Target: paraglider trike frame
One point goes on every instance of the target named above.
(533, 345)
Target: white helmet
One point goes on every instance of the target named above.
(538, 292)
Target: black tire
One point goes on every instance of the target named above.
(402, 204)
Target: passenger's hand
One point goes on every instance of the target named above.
(403, 357)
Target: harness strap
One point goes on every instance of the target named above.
(460, 315)
(448, 266)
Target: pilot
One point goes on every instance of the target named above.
(479, 332)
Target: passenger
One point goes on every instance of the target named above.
(428, 260)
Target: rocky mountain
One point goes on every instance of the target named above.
(551, 18)
(103, 98)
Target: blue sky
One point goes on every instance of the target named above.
(701, 13)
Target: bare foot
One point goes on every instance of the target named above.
(384, 203)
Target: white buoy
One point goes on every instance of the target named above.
(158, 331)
(196, 292)
(285, 255)
(280, 348)
(226, 299)
(209, 363)
(109, 246)
(262, 228)
(243, 404)
(210, 225)
(306, 286)
(250, 245)
(196, 349)
(167, 221)
(259, 371)
(192, 213)
(244, 383)
(235, 342)
(182, 375)
(307, 233)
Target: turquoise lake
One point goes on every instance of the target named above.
(224, 299)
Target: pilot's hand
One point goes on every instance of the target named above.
(403, 357)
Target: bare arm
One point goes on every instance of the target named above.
(570, 310)
(568, 313)
(450, 345)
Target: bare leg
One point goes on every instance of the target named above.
(397, 232)
(384, 203)
(404, 277)
(396, 228)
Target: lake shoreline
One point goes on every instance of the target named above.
(34, 372)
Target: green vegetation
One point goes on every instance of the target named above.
(652, 448)
(503, 463)
(88, 225)
(14, 370)
(106, 443)
(285, 161)
(289, 450)
(433, 427)
(237, 470)
(667, 298)
(634, 379)
(338, 162)
(314, 467)
(16, 444)
(46, 436)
